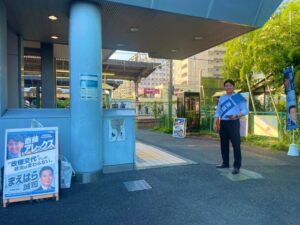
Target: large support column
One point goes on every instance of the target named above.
(14, 70)
(86, 77)
(48, 76)
(3, 59)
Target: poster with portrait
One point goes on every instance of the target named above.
(31, 162)
(116, 130)
(179, 128)
(291, 107)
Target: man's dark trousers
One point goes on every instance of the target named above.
(230, 130)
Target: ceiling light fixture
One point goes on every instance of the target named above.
(134, 29)
(54, 37)
(120, 45)
(197, 38)
(174, 50)
(52, 17)
(107, 74)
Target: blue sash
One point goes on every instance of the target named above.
(233, 100)
(226, 106)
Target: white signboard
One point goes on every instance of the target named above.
(266, 125)
(244, 119)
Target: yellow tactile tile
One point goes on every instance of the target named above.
(149, 156)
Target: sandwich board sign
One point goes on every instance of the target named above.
(30, 164)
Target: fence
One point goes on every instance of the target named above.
(207, 119)
(159, 111)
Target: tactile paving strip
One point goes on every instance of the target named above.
(149, 157)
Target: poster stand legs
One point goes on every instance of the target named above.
(29, 198)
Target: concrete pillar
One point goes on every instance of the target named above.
(85, 43)
(3, 59)
(14, 64)
(48, 76)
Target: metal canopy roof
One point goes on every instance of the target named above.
(166, 29)
(120, 69)
(128, 70)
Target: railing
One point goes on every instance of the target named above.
(207, 118)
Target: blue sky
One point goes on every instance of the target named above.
(122, 55)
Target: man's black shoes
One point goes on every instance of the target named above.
(235, 171)
(222, 166)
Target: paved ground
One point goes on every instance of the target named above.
(191, 194)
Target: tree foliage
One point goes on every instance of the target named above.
(267, 50)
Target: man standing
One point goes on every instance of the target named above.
(230, 108)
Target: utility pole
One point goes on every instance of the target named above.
(273, 102)
(170, 94)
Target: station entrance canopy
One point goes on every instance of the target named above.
(173, 29)
(165, 29)
(111, 68)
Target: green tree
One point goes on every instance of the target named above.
(238, 61)
(267, 49)
(294, 56)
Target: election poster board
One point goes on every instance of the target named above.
(291, 106)
(30, 164)
(266, 125)
(179, 128)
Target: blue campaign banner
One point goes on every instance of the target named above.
(31, 162)
(291, 109)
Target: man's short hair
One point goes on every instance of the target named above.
(44, 169)
(16, 138)
(291, 107)
(229, 81)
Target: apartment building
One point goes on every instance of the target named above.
(201, 72)
(125, 91)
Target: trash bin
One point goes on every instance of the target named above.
(119, 138)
